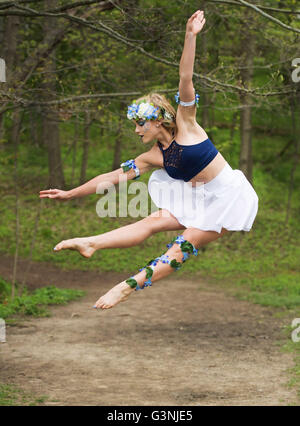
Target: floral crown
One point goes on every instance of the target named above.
(147, 111)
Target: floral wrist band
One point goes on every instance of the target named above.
(186, 247)
(130, 164)
(195, 101)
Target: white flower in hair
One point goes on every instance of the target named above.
(144, 110)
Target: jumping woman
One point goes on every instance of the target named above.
(223, 198)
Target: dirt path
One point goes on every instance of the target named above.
(177, 343)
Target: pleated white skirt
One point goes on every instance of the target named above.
(227, 201)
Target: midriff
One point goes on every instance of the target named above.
(211, 170)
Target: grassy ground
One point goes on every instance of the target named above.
(12, 396)
(33, 304)
(293, 347)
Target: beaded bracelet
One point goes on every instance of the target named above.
(130, 164)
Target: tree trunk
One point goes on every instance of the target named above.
(2, 133)
(51, 140)
(9, 47)
(32, 245)
(74, 150)
(50, 117)
(86, 144)
(246, 162)
(233, 124)
(15, 140)
(118, 147)
(8, 51)
(247, 57)
(1, 56)
(296, 138)
(34, 118)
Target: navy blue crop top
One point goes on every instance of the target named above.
(186, 161)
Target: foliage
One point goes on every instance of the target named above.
(33, 303)
(13, 396)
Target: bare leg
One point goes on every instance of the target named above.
(126, 236)
(122, 291)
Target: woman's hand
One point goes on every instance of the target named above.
(55, 193)
(196, 22)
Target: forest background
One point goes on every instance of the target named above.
(71, 70)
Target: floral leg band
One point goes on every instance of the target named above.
(186, 247)
(130, 164)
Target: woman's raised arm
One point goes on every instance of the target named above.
(193, 27)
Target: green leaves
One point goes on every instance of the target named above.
(126, 168)
(187, 247)
(175, 264)
(131, 282)
(149, 272)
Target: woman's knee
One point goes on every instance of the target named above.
(199, 237)
(152, 223)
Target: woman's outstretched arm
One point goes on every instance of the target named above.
(193, 27)
(143, 162)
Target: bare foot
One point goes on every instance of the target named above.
(117, 294)
(83, 245)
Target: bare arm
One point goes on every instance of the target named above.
(186, 89)
(144, 162)
(186, 66)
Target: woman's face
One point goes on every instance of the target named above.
(148, 130)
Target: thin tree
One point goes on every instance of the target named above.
(246, 74)
(17, 120)
(296, 137)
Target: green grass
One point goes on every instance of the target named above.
(33, 303)
(13, 396)
(294, 348)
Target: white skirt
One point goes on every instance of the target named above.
(227, 201)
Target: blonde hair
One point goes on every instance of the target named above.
(162, 102)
